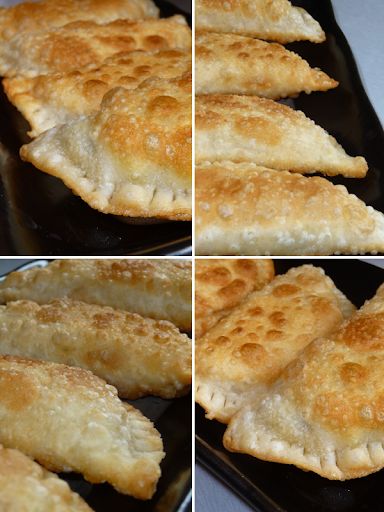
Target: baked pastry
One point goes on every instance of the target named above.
(48, 100)
(157, 289)
(249, 210)
(274, 20)
(133, 157)
(70, 420)
(221, 284)
(45, 14)
(25, 486)
(86, 43)
(139, 356)
(325, 414)
(232, 64)
(240, 357)
(259, 130)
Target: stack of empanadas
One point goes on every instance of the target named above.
(247, 144)
(131, 153)
(75, 338)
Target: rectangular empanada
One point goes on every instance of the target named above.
(86, 43)
(232, 64)
(243, 209)
(326, 412)
(262, 131)
(274, 20)
(221, 284)
(241, 356)
(48, 100)
(133, 157)
(159, 289)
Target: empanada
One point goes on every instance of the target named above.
(242, 355)
(25, 486)
(48, 100)
(326, 412)
(70, 420)
(133, 157)
(259, 130)
(157, 289)
(221, 284)
(274, 20)
(244, 209)
(86, 43)
(139, 356)
(231, 64)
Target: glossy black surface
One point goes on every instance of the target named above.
(40, 216)
(271, 487)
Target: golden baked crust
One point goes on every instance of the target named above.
(241, 356)
(232, 64)
(325, 414)
(70, 420)
(86, 43)
(221, 284)
(139, 356)
(158, 289)
(274, 20)
(26, 486)
(249, 210)
(133, 157)
(48, 100)
(259, 130)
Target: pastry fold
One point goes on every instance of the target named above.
(243, 209)
(325, 413)
(232, 64)
(70, 420)
(240, 357)
(221, 284)
(157, 289)
(259, 130)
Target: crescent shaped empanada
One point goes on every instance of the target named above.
(24, 485)
(133, 157)
(259, 130)
(48, 100)
(86, 43)
(325, 413)
(70, 420)
(221, 284)
(139, 356)
(232, 64)
(243, 209)
(157, 289)
(274, 20)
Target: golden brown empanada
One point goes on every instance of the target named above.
(139, 356)
(325, 413)
(85, 43)
(70, 420)
(221, 284)
(26, 486)
(48, 100)
(160, 289)
(242, 355)
(274, 20)
(244, 209)
(259, 130)
(133, 157)
(231, 64)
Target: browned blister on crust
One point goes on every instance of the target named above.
(238, 360)
(221, 284)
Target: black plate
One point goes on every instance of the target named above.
(173, 419)
(271, 487)
(39, 215)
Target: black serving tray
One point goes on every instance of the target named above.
(40, 216)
